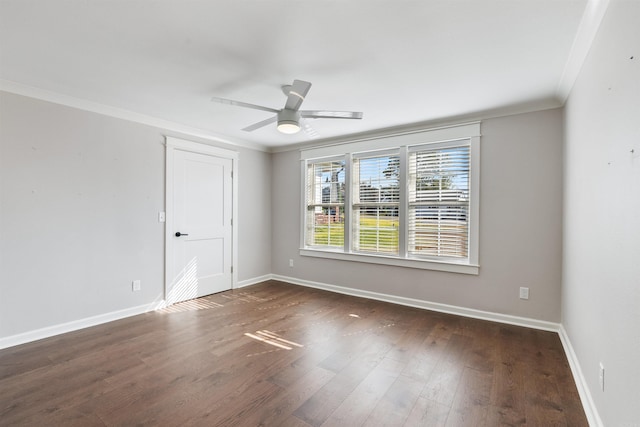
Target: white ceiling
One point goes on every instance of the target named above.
(400, 62)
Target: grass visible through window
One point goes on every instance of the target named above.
(329, 235)
(376, 234)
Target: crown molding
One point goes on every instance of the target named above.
(543, 104)
(106, 110)
(589, 24)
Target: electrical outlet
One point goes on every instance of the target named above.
(290, 263)
(524, 293)
(135, 285)
(601, 377)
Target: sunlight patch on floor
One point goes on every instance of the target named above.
(273, 339)
(191, 305)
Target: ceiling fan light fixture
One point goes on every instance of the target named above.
(288, 121)
(288, 126)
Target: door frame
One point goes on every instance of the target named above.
(172, 144)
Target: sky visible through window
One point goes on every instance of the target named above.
(371, 176)
(330, 176)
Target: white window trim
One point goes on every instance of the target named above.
(405, 142)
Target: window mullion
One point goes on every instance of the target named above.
(348, 203)
(303, 198)
(402, 204)
(474, 197)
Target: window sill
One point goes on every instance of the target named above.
(451, 267)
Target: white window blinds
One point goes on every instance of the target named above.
(376, 196)
(325, 194)
(438, 212)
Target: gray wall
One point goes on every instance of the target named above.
(81, 192)
(520, 228)
(79, 200)
(601, 283)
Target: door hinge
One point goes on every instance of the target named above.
(231, 221)
(232, 268)
(231, 174)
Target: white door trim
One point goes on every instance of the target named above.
(173, 144)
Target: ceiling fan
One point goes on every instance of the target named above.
(290, 117)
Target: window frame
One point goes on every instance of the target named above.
(404, 143)
(358, 204)
(440, 147)
(323, 205)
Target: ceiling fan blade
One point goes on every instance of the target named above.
(298, 91)
(260, 124)
(243, 104)
(318, 114)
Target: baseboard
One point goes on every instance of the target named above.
(590, 409)
(75, 325)
(433, 306)
(253, 281)
(411, 302)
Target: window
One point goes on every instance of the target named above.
(325, 204)
(375, 201)
(438, 214)
(408, 200)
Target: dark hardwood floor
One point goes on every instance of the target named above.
(283, 355)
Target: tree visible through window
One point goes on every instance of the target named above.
(438, 211)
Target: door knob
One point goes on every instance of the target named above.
(178, 234)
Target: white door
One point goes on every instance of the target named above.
(200, 227)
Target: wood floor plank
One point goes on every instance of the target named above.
(284, 355)
(321, 405)
(471, 403)
(542, 389)
(281, 406)
(22, 359)
(359, 404)
(443, 381)
(308, 360)
(48, 390)
(293, 421)
(61, 417)
(482, 353)
(508, 391)
(431, 350)
(427, 413)
(411, 340)
(542, 401)
(317, 408)
(395, 406)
